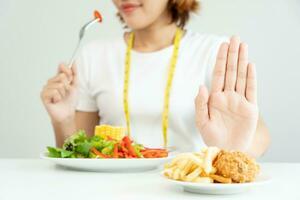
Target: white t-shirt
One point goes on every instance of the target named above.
(101, 75)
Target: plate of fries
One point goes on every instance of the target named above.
(214, 171)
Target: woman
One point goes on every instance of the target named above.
(148, 80)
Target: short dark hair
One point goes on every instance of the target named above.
(181, 9)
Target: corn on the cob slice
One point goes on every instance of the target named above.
(106, 131)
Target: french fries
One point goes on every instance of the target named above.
(220, 179)
(195, 167)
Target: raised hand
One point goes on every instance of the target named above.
(59, 95)
(227, 116)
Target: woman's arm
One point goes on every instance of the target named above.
(83, 120)
(261, 140)
(59, 97)
(228, 116)
(87, 121)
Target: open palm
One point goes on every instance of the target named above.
(227, 116)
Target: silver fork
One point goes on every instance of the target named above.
(81, 36)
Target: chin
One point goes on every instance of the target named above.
(136, 24)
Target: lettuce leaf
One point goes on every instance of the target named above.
(54, 152)
(84, 148)
(108, 150)
(71, 142)
(59, 153)
(66, 154)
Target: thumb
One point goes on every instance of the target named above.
(201, 106)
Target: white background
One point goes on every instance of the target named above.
(36, 35)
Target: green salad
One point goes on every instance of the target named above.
(80, 145)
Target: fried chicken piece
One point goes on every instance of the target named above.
(236, 165)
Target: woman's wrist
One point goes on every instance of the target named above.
(63, 129)
(61, 121)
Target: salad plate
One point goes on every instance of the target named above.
(109, 165)
(107, 152)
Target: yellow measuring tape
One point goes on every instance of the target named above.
(165, 115)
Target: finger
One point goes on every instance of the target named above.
(57, 98)
(64, 69)
(217, 84)
(74, 74)
(61, 81)
(231, 67)
(51, 96)
(242, 69)
(60, 78)
(201, 105)
(62, 89)
(251, 88)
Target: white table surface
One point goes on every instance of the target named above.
(38, 179)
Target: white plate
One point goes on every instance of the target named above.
(109, 165)
(218, 188)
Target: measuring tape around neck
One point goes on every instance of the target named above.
(165, 114)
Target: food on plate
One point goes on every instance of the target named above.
(236, 165)
(212, 165)
(193, 167)
(107, 131)
(102, 146)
